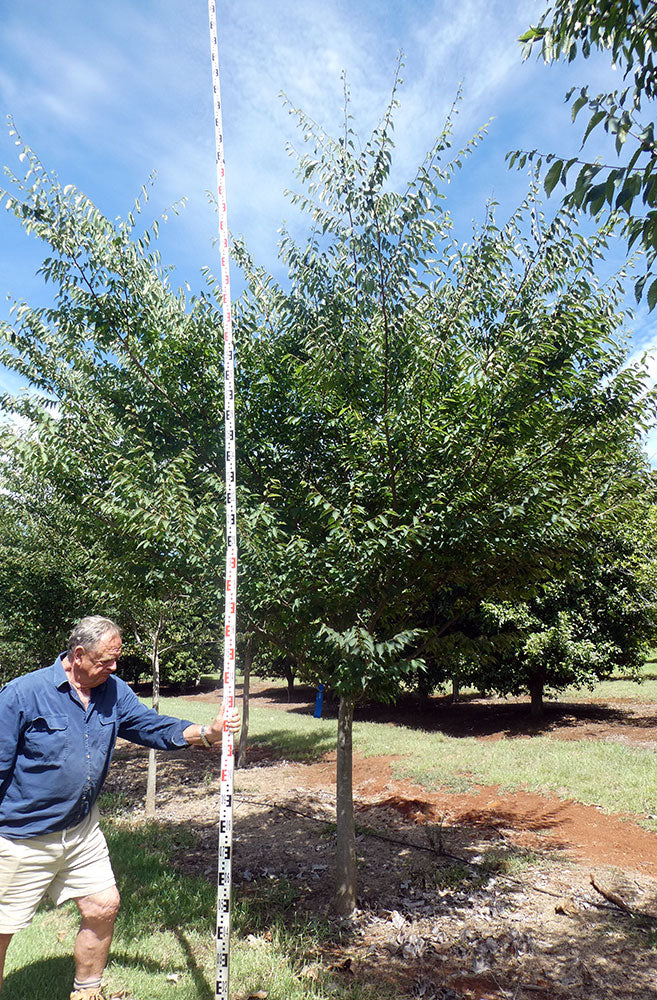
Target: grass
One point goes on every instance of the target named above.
(643, 688)
(163, 946)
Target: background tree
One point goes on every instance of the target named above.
(113, 430)
(627, 30)
(599, 617)
(41, 569)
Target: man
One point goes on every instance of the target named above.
(58, 727)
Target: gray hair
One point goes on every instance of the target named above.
(90, 630)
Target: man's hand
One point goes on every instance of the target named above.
(209, 735)
(214, 731)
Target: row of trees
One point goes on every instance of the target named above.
(440, 469)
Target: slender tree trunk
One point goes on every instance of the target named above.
(288, 670)
(423, 685)
(151, 782)
(455, 690)
(536, 685)
(244, 735)
(345, 888)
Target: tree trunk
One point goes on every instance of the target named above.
(244, 735)
(423, 685)
(288, 671)
(151, 781)
(456, 690)
(536, 685)
(345, 889)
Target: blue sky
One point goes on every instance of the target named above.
(108, 92)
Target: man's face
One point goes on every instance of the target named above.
(94, 666)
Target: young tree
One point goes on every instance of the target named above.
(627, 30)
(428, 425)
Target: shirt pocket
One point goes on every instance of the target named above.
(108, 727)
(46, 740)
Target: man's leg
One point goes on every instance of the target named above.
(92, 944)
(4, 944)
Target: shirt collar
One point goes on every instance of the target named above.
(58, 672)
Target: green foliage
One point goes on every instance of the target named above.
(578, 629)
(628, 31)
(114, 435)
(41, 577)
(185, 667)
(428, 425)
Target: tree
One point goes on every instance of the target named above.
(113, 429)
(598, 617)
(628, 31)
(428, 425)
(41, 572)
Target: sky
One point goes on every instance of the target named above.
(106, 93)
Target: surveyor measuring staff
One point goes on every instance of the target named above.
(224, 874)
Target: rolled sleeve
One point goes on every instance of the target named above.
(10, 725)
(146, 727)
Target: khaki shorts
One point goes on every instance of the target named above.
(68, 864)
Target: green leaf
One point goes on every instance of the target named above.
(652, 295)
(552, 177)
(594, 120)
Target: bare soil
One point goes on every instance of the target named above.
(481, 895)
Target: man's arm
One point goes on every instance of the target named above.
(144, 726)
(10, 731)
(213, 733)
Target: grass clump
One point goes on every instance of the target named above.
(457, 877)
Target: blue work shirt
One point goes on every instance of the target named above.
(55, 753)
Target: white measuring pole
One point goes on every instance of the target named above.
(224, 874)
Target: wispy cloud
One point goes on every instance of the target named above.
(107, 92)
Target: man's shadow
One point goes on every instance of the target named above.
(49, 977)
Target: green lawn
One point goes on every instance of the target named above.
(618, 686)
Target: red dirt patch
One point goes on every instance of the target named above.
(583, 833)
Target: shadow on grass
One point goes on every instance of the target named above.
(293, 745)
(473, 715)
(50, 977)
(203, 989)
(150, 886)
